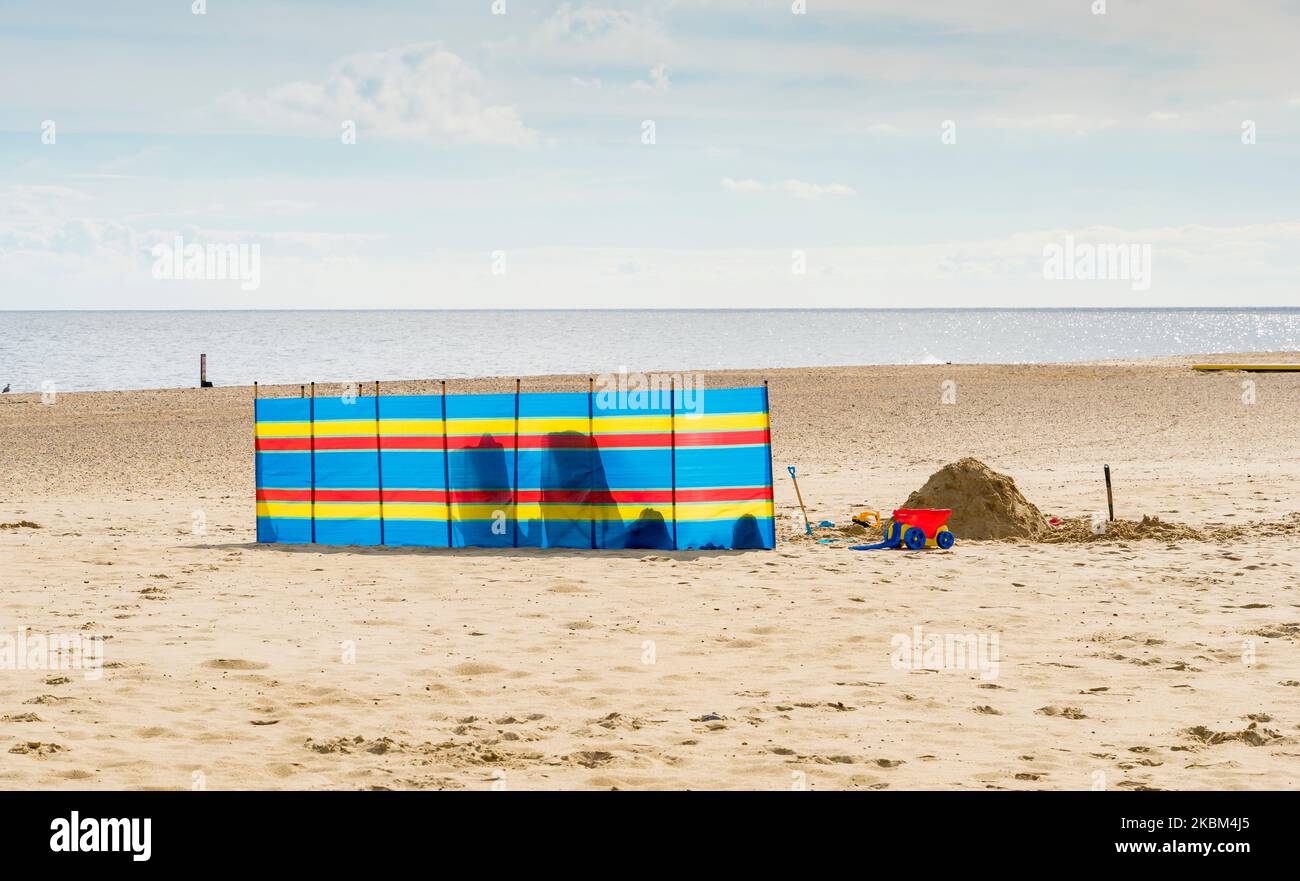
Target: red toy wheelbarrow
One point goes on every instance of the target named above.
(911, 528)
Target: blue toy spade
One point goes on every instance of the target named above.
(806, 525)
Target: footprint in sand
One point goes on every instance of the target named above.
(234, 664)
(36, 748)
(591, 758)
(565, 587)
(46, 699)
(476, 669)
(1065, 712)
(1251, 735)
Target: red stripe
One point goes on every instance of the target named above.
(415, 495)
(526, 442)
(726, 494)
(284, 495)
(721, 438)
(347, 495)
(550, 496)
(265, 444)
(322, 495)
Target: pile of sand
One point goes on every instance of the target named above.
(988, 505)
(1080, 529)
(985, 504)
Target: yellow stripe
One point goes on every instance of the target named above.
(1253, 368)
(527, 425)
(721, 421)
(623, 513)
(346, 428)
(534, 511)
(407, 511)
(417, 427)
(283, 429)
(604, 513)
(284, 509)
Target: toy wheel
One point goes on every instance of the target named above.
(914, 538)
(944, 539)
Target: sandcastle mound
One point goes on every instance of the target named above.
(985, 504)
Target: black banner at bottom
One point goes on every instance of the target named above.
(709, 831)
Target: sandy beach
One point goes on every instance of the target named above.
(1120, 663)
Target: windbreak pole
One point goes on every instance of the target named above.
(379, 464)
(311, 411)
(446, 462)
(771, 484)
(591, 454)
(672, 428)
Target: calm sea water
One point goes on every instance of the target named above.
(124, 350)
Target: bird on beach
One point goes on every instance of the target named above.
(6, 391)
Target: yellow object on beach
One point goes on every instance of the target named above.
(1253, 368)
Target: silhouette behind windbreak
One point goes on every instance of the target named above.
(746, 534)
(573, 474)
(649, 531)
(489, 472)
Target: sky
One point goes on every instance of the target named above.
(668, 153)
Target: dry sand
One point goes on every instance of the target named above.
(1124, 662)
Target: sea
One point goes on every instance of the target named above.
(121, 349)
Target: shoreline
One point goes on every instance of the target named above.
(552, 380)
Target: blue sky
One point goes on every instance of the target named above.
(514, 142)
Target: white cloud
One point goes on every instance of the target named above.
(1191, 266)
(283, 207)
(419, 92)
(659, 81)
(599, 35)
(798, 188)
(1066, 123)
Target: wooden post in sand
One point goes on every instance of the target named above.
(203, 372)
(1110, 499)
